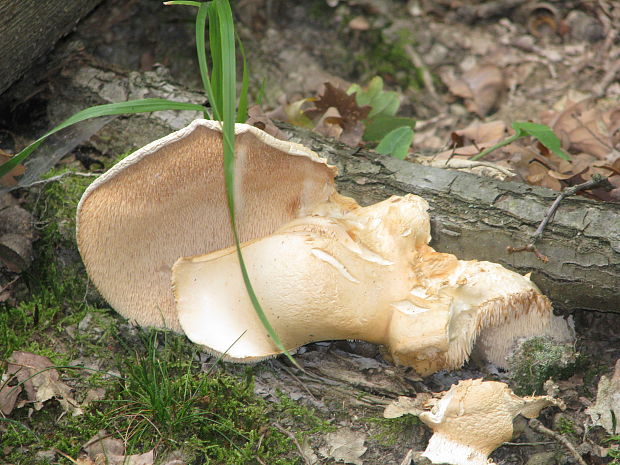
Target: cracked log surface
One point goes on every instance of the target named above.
(477, 218)
(471, 216)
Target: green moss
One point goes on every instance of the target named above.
(539, 359)
(390, 430)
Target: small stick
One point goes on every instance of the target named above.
(58, 177)
(538, 426)
(596, 181)
(408, 459)
(294, 439)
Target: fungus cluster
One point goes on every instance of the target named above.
(154, 234)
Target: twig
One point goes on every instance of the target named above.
(58, 177)
(596, 181)
(292, 375)
(538, 426)
(294, 439)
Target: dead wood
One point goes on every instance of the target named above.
(30, 28)
(472, 217)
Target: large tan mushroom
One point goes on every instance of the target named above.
(474, 418)
(322, 266)
(167, 200)
(367, 274)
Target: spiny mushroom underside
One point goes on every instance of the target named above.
(168, 200)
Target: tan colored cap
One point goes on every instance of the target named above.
(167, 200)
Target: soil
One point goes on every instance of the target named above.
(544, 50)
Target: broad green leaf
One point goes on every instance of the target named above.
(384, 104)
(378, 128)
(396, 143)
(543, 134)
(133, 106)
(364, 96)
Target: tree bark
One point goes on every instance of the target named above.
(472, 217)
(478, 218)
(30, 28)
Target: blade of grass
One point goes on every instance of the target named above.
(227, 42)
(217, 55)
(201, 19)
(134, 106)
(242, 108)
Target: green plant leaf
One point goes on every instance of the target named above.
(379, 127)
(396, 143)
(183, 2)
(133, 106)
(543, 134)
(365, 96)
(384, 104)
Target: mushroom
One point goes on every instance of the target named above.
(168, 200)
(322, 266)
(474, 418)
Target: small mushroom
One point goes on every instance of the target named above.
(474, 418)
(322, 266)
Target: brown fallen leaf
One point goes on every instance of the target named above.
(482, 87)
(607, 407)
(257, 118)
(102, 449)
(40, 381)
(350, 113)
(8, 180)
(345, 445)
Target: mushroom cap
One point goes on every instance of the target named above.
(474, 418)
(168, 200)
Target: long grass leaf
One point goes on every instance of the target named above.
(215, 48)
(227, 42)
(201, 19)
(133, 106)
(242, 108)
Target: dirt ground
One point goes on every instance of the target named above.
(422, 49)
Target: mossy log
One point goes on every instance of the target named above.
(472, 217)
(30, 28)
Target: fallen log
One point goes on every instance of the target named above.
(30, 28)
(472, 216)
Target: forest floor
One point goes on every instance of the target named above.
(154, 396)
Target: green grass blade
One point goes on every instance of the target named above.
(217, 52)
(227, 42)
(242, 109)
(201, 19)
(134, 106)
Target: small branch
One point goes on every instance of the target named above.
(58, 177)
(538, 426)
(294, 439)
(596, 181)
(408, 459)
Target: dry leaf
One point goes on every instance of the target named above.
(482, 87)
(257, 118)
(407, 405)
(349, 111)
(8, 180)
(40, 382)
(345, 445)
(105, 450)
